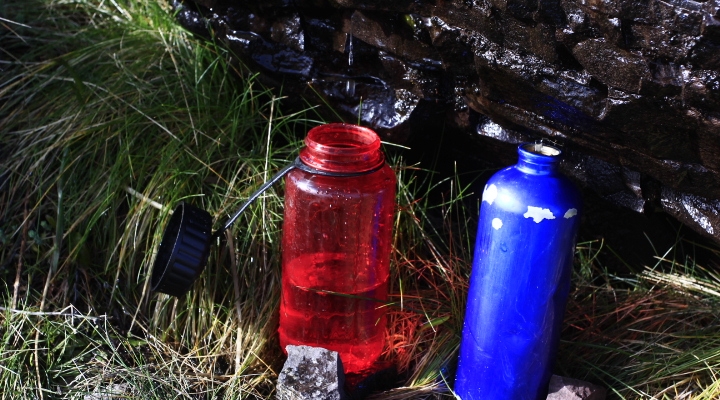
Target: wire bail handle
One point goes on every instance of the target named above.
(297, 163)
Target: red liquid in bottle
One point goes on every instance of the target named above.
(336, 246)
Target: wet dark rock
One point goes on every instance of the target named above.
(631, 88)
(712, 7)
(287, 31)
(391, 35)
(618, 184)
(702, 214)
(611, 65)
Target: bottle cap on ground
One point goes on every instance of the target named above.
(183, 251)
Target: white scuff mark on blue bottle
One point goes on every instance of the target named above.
(538, 214)
(570, 213)
(497, 223)
(489, 194)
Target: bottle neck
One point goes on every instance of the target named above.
(538, 158)
(342, 148)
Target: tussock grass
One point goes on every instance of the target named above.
(652, 335)
(106, 107)
(110, 114)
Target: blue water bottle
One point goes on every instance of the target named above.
(520, 279)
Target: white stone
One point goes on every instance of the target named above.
(562, 388)
(311, 373)
(115, 391)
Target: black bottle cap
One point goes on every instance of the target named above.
(183, 251)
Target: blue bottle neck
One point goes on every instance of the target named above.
(538, 158)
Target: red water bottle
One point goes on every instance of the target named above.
(336, 245)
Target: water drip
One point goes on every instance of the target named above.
(349, 48)
(350, 87)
